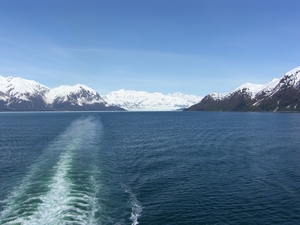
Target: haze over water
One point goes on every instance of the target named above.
(149, 168)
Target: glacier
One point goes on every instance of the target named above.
(144, 101)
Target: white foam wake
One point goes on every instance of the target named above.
(136, 208)
(55, 202)
(63, 202)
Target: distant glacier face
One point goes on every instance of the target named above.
(145, 101)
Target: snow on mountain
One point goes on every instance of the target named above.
(256, 89)
(278, 95)
(145, 101)
(78, 94)
(252, 90)
(294, 74)
(290, 80)
(188, 98)
(3, 96)
(20, 94)
(216, 96)
(21, 88)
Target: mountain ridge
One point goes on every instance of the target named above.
(278, 95)
(18, 94)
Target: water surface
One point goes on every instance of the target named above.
(149, 168)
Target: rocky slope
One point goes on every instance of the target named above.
(26, 95)
(278, 95)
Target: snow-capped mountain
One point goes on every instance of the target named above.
(278, 95)
(145, 101)
(18, 87)
(249, 89)
(20, 94)
(78, 94)
(67, 97)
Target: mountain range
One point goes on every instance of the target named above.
(18, 94)
(278, 95)
(26, 95)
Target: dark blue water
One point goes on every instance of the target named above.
(149, 168)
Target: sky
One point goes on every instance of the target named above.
(189, 46)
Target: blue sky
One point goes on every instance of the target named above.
(189, 46)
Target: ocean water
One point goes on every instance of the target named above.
(149, 168)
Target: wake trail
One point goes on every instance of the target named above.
(136, 207)
(69, 195)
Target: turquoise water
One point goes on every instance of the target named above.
(149, 168)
